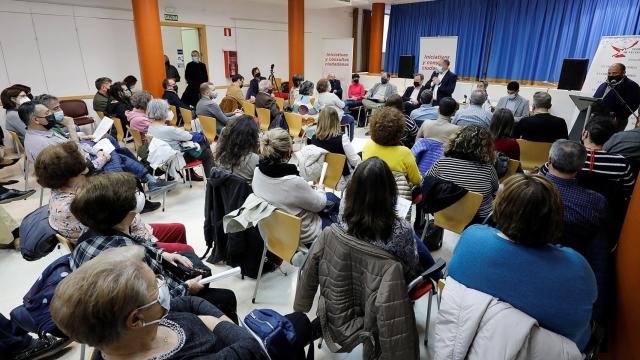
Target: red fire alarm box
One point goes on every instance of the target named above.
(230, 63)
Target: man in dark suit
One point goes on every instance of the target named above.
(412, 94)
(195, 74)
(253, 84)
(442, 81)
(627, 89)
(336, 87)
(265, 99)
(169, 94)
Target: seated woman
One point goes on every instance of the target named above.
(302, 103)
(237, 148)
(118, 103)
(501, 127)
(329, 137)
(328, 99)
(158, 111)
(63, 169)
(368, 212)
(410, 128)
(468, 162)
(387, 127)
(117, 304)
(355, 93)
(107, 205)
(280, 184)
(137, 117)
(518, 263)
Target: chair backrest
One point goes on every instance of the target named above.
(533, 154)
(248, 108)
(65, 242)
(19, 146)
(278, 82)
(294, 121)
(457, 216)
(119, 129)
(282, 234)
(100, 114)
(137, 138)
(280, 103)
(264, 116)
(208, 125)
(173, 121)
(74, 108)
(187, 117)
(512, 168)
(335, 165)
(229, 104)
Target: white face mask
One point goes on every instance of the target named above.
(213, 94)
(22, 100)
(513, 96)
(196, 59)
(164, 299)
(439, 69)
(140, 201)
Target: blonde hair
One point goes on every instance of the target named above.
(92, 304)
(328, 124)
(275, 145)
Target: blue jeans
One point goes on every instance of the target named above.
(122, 163)
(348, 119)
(330, 213)
(13, 339)
(350, 104)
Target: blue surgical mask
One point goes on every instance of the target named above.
(439, 69)
(196, 59)
(59, 115)
(164, 299)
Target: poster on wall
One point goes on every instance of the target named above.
(338, 60)
(180, 62)
(433, 49)
(611, 50)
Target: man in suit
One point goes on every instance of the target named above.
(518, 105)
(379, 93)
(253, 84)
(195, 74)
(335, 86)
(442, 81)
(169, 94)
(628, 90)
(265, 100)
(170, 70)
(412, 94)
(207, 107)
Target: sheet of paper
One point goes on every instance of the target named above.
(104, 145)
(402, 207)
(220, 276)
(103, 128)
(323, 173)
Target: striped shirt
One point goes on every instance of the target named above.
(473, 176)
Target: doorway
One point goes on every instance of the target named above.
(178, 41)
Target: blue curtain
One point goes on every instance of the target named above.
(469, 20)
(511, 39)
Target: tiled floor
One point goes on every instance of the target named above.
(183, 205)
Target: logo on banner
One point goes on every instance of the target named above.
(429, 62)
(336, 59)
(622, 52)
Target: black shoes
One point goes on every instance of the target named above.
(13, 195)
(41, 348)
(150, 206)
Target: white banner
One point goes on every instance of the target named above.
(338, 60)
(613, 49)
(433, 49)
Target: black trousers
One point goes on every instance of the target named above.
(223, 299)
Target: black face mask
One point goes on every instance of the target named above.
(355, 81)
(51, 122)
(614, 78)
(257, 75)
(416, 84)
(166, 62)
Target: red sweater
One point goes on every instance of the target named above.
(508, 146)
(356, 91)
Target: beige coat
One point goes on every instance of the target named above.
(363, 297)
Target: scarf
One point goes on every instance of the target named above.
(277, 170)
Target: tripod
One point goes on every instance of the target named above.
(272, 79)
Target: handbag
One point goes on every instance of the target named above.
(184, 273)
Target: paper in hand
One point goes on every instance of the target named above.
(103, 128)
(220, 276)
(402, 207)
(104, 145)
(323, 173)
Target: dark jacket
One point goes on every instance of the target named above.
(253, 87)
(407, 93)
(195, 74)
(266, 101)
(118, 109)
(541, 128)
(336, 87)
(629, 91)
(447, 85)
(438, 194)
(171, 72)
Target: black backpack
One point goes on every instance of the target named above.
(501, 164)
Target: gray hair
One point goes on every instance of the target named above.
(157, 109)
(478, 97)
(567, 156)
(141, 99)
(264, 85)
(542, 100)
(45, 99)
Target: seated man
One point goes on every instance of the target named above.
(426, 111)
(474, 114)
(39, 120)
(627, 144)
(235, 89)
(265, 100)
(101, 98)
(541, 126)
(379, 93)
(441, 129)
(412, 94)
(170, 94)
(518, 105)
(207, 107)
(335, 86)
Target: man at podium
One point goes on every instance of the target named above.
(620, 95)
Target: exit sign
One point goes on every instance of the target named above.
(171, 17)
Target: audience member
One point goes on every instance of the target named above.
(468, 162)
(279, 183)
(501, 127)
(387, 128)
(442, 82)
(118, 104)
(295, 88)
(196, 74)
(442, 128)
(107, 204)
(122, 307)
(159, 113)
(518, 105)
(302, 104)
(101, 98)
(379, 93)
(171, 95)
(355, 93)
(12, 97)
(625, 89)
(518, 263)
(474, 114)
(265, 100)
(170, 71)
(207, 107)
(137, 117)
(234, 90)
(627, 144)
(237, 148)
(330, 99)
(328, 136)
(412, 94)
(130, 82)
(484, 85)
(53, 104)
(541, 126)
(410, 128)
(254, 84)
(426, 111)
(334, 85)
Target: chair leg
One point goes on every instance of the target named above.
(188, 175)
(41, 195)
(26, 173)
(164, 198)
(264, 255)
(426, 328)
(426, 225)
(83, 348)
